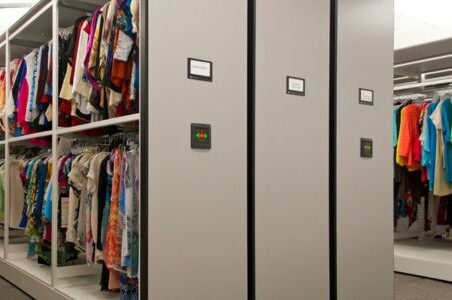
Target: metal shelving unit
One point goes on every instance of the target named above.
(424, 69)
(38, 26)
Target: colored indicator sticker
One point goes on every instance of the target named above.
(200, 136)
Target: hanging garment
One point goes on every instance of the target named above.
(92, 205)
(446, 119)
(408, 147)
(441, 187)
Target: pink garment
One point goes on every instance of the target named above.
(21, 112)
(22, 106)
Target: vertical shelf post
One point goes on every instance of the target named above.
(143, 146)
(55, 188)
(7, 158)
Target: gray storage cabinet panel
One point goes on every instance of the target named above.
(292, 39)
(364, 186)
(197, 198)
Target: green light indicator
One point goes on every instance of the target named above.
(197, 135)
(205, 135)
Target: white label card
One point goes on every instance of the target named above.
(366, 96)
(295, 86)
(199, 69)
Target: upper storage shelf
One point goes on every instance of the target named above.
(71, 10)
(35, 27)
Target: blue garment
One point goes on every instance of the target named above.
(402, 209)
(426, 143)
(48, 203)
(21, 74)
(41, 183)
(446, 114)
(24, 219)
(432, 146)
(128, 288)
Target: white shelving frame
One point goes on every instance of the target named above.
(26, 279)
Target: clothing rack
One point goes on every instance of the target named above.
(417, 229)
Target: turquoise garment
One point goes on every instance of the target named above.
(48, 202)
(395, 126)
(426, 144)
(446, 116)
(431, 150)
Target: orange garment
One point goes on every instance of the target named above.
(408, 146)
(121, 74)
(114, 281)
(112, 251)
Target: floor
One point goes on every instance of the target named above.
(9, 291)
(406, 288)
(415, 288)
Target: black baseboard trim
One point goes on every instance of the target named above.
(333, 151)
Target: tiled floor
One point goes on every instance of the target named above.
(9, 291)
(415, 288)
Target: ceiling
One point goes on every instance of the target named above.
(421, 21)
